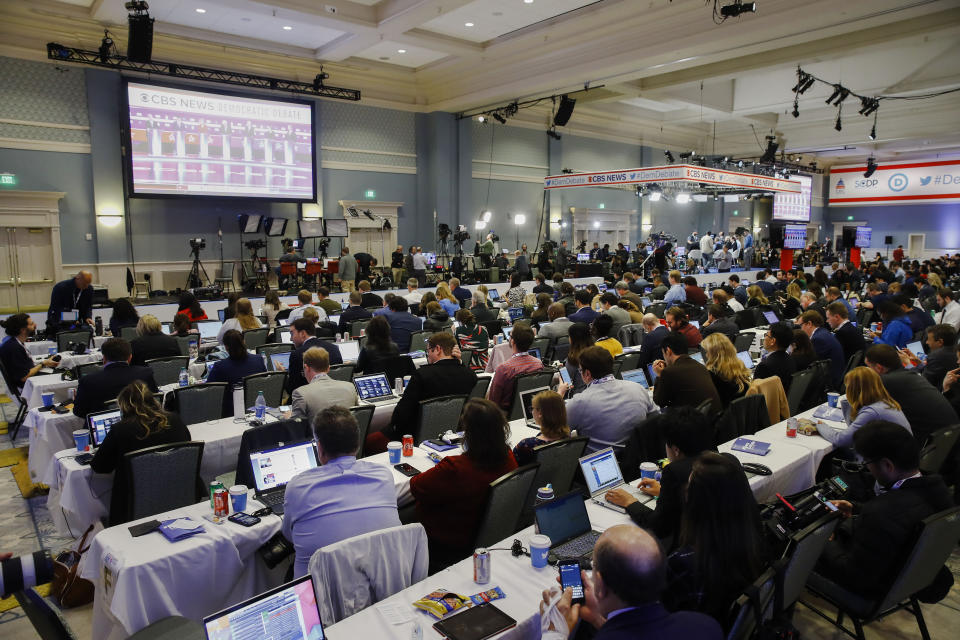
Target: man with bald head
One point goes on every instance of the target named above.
(622, 599)
(68, 296)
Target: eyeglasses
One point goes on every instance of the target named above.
(852, 466)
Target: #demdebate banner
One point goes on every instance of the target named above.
(905, 182)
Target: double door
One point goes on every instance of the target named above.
(26, 267)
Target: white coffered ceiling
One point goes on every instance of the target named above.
(663, 72)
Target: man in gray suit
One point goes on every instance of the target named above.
(321, 391)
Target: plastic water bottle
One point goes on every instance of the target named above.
(184, 377)
(544, 494)
(260, 406)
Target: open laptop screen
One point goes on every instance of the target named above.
(526, 399)
(494, 294)
(771, 317)
(349, 351)
(563, 518)
(276, 467)
(636, 375)
(289, 611)
(601, 470)
(745, 359)
(280, 361)
(209, 330)
(100, 423)
(372, 386)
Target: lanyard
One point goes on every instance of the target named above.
(76, 299)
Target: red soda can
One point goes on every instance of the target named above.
(408, 445)
(221, 503)
(481, 566)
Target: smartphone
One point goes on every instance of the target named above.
(144, 528)
(570, 577)
(565, 375)
(406, 469)
(244, 519)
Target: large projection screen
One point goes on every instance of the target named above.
(202, 143)
(794, 206)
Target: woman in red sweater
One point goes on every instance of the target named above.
(451, 497)
(190, 307)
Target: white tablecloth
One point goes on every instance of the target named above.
(48, 433)
(140, 580)
(42, 347)
(36, 386)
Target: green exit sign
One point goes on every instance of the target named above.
(369, 194)
(601, 206)
(8, 179)
(736, 212)
(849, 217)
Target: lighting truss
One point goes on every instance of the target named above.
(68, 54)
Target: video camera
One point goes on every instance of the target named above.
(198, 243)
(255, 245)
(461, 234)
(22, 573)
(788, 515)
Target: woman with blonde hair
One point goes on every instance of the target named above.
(755, 296)
(792, 307)
(271, 307)
(730, 376)
(550, 414)
(446, 299)
(867, 400)
(243, 321)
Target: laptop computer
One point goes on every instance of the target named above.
(334, 319)
(506, 331)
(274, 468)
(494, 294)
(646, 302)
(285, 336)
(565, 521)
(282, 359)
(289, 611)
(535, 352)
(695, 324)
(602, 473)
(374, 389)
(771, 317)
(349, 351)
(221, 314)
(698, 356)
(745, 359)
(209, 330)
(99, 423)
(526, 401)
(636, 375)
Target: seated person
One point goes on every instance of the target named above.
(182, 326)
(13, 352)
(580, 339)
(244, 320)
(603, 328)
(143, 424)
(124, 316)
(687, 433)
(941, 357)
(271, 307)
(504, 377)
(238, 364)
(896, 326)
(607, 409)
(676, 294)
(756, 296)
(452, 495)
(550, 414)
(94, 389)
(462, 294)
(152, 342)
(849, 336)
(803, 354)
(681, 380)
(621, 317)
(377, 348)
(402, 323)
(584, 313)
(305, 298)
(321, 391)
(368, 298)
(190, 307)
(866, 400)
(865, 553)
(559, 323)
(541, 313)
(653, 335)
(437, 318)
(825, 344)
(481, 310)
(777, 362)
(341, 498)
(354, 312)
(470, 333)
(730, 376)
(326, 303)
(676, 319)
(719, 546)
(622, 596)
(719, 321)
(303, 334)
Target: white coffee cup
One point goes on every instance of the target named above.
(539, 550)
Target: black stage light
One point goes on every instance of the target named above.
(734, 10)
(106, 46)
(669, 156)
(796, 109)
(564, 111)
(871, 167)
(868, 106)
(838, 125)
(839, 94)
(319, 78)
(873, 131)
(499, 118)
(771, 152)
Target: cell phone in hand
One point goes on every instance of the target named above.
(565, 375)
(406, 469)
(570, 577)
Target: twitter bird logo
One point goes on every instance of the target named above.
(925, 181)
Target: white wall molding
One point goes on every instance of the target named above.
(46, 125)
(370, 151)
(45, 145)
(513, 164)
(507, 177)
(360, 166)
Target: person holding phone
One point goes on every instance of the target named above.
(620, 599)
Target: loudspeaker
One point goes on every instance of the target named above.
(564, 111)
(140, 38)
(887, 239)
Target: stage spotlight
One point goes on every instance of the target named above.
(319, 78)
(839, 94)
(683, 198)
(868, 106)
(873, 130)
(669, 157)
(796, 109)
(838, 125)
(106, 46)
(740, 164)
(871, 167)
(564, 111)
(804, 82)
(481, 118)
(737, 8)
(655, 192)
(479, 225)
(140, 31)
(771, 152)
(499, 118)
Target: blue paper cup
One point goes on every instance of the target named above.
(47, 398)
(238, 497)
(539, 550)
(649, 470)
(832, 398)
(394, 449)
(82, 439)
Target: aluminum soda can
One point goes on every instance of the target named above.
(407, 445)
(481, 566)
(214, 485)
(221, 503)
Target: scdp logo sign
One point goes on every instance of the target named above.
(898, 182)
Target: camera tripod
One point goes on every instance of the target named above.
(193, 278)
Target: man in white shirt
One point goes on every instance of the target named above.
(420, 267)
(706, 248)
(321, 391)
(306, 301)
(413, 296)
(949, 308)
(342, 498)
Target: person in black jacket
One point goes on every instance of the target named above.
(926, 408)
(866, 552)
(152, 343)
(368, 298)
(379, 347)
(95, 389)
(143, 424)
(687, 433)
(777, 362)
(355, 311)
(849, 336)
(124, 316)
(653, 335)
(942, 355)
(74, 294)
(13, 353)
(719, 321)
(303, 335)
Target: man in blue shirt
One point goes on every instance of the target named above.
(676, 294)
(342, 498)
(584, 313)
(460, 293)
(402, 323)
(896, 326)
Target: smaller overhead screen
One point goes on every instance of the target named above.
(337, 229)
(249, 223)
(794, 236)
(311, 228)
(275, 226)
(794, 206)
(863, 237)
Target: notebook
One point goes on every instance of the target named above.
(602, 473)
(565, 521)
(374, 388)
(289, 611)
(349, 351)
(526, 401)
(274, 468)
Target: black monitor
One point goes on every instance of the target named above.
(311, 227)
(337, 229)
(275, 226)
(249, 223)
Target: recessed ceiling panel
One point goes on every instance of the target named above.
(493, 18)
(401, 54)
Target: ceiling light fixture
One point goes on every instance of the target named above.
(840, 93)
(401, 50)
(481, 118)
(106, 46)
(868, 106)
(527, 1)
(873, 129)
(804, 81)
(683, 198)
(796, 108)
(838, 125)
(201, 10)
(871, 167)
(468, 24)
(669, 156)
(287, 27)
